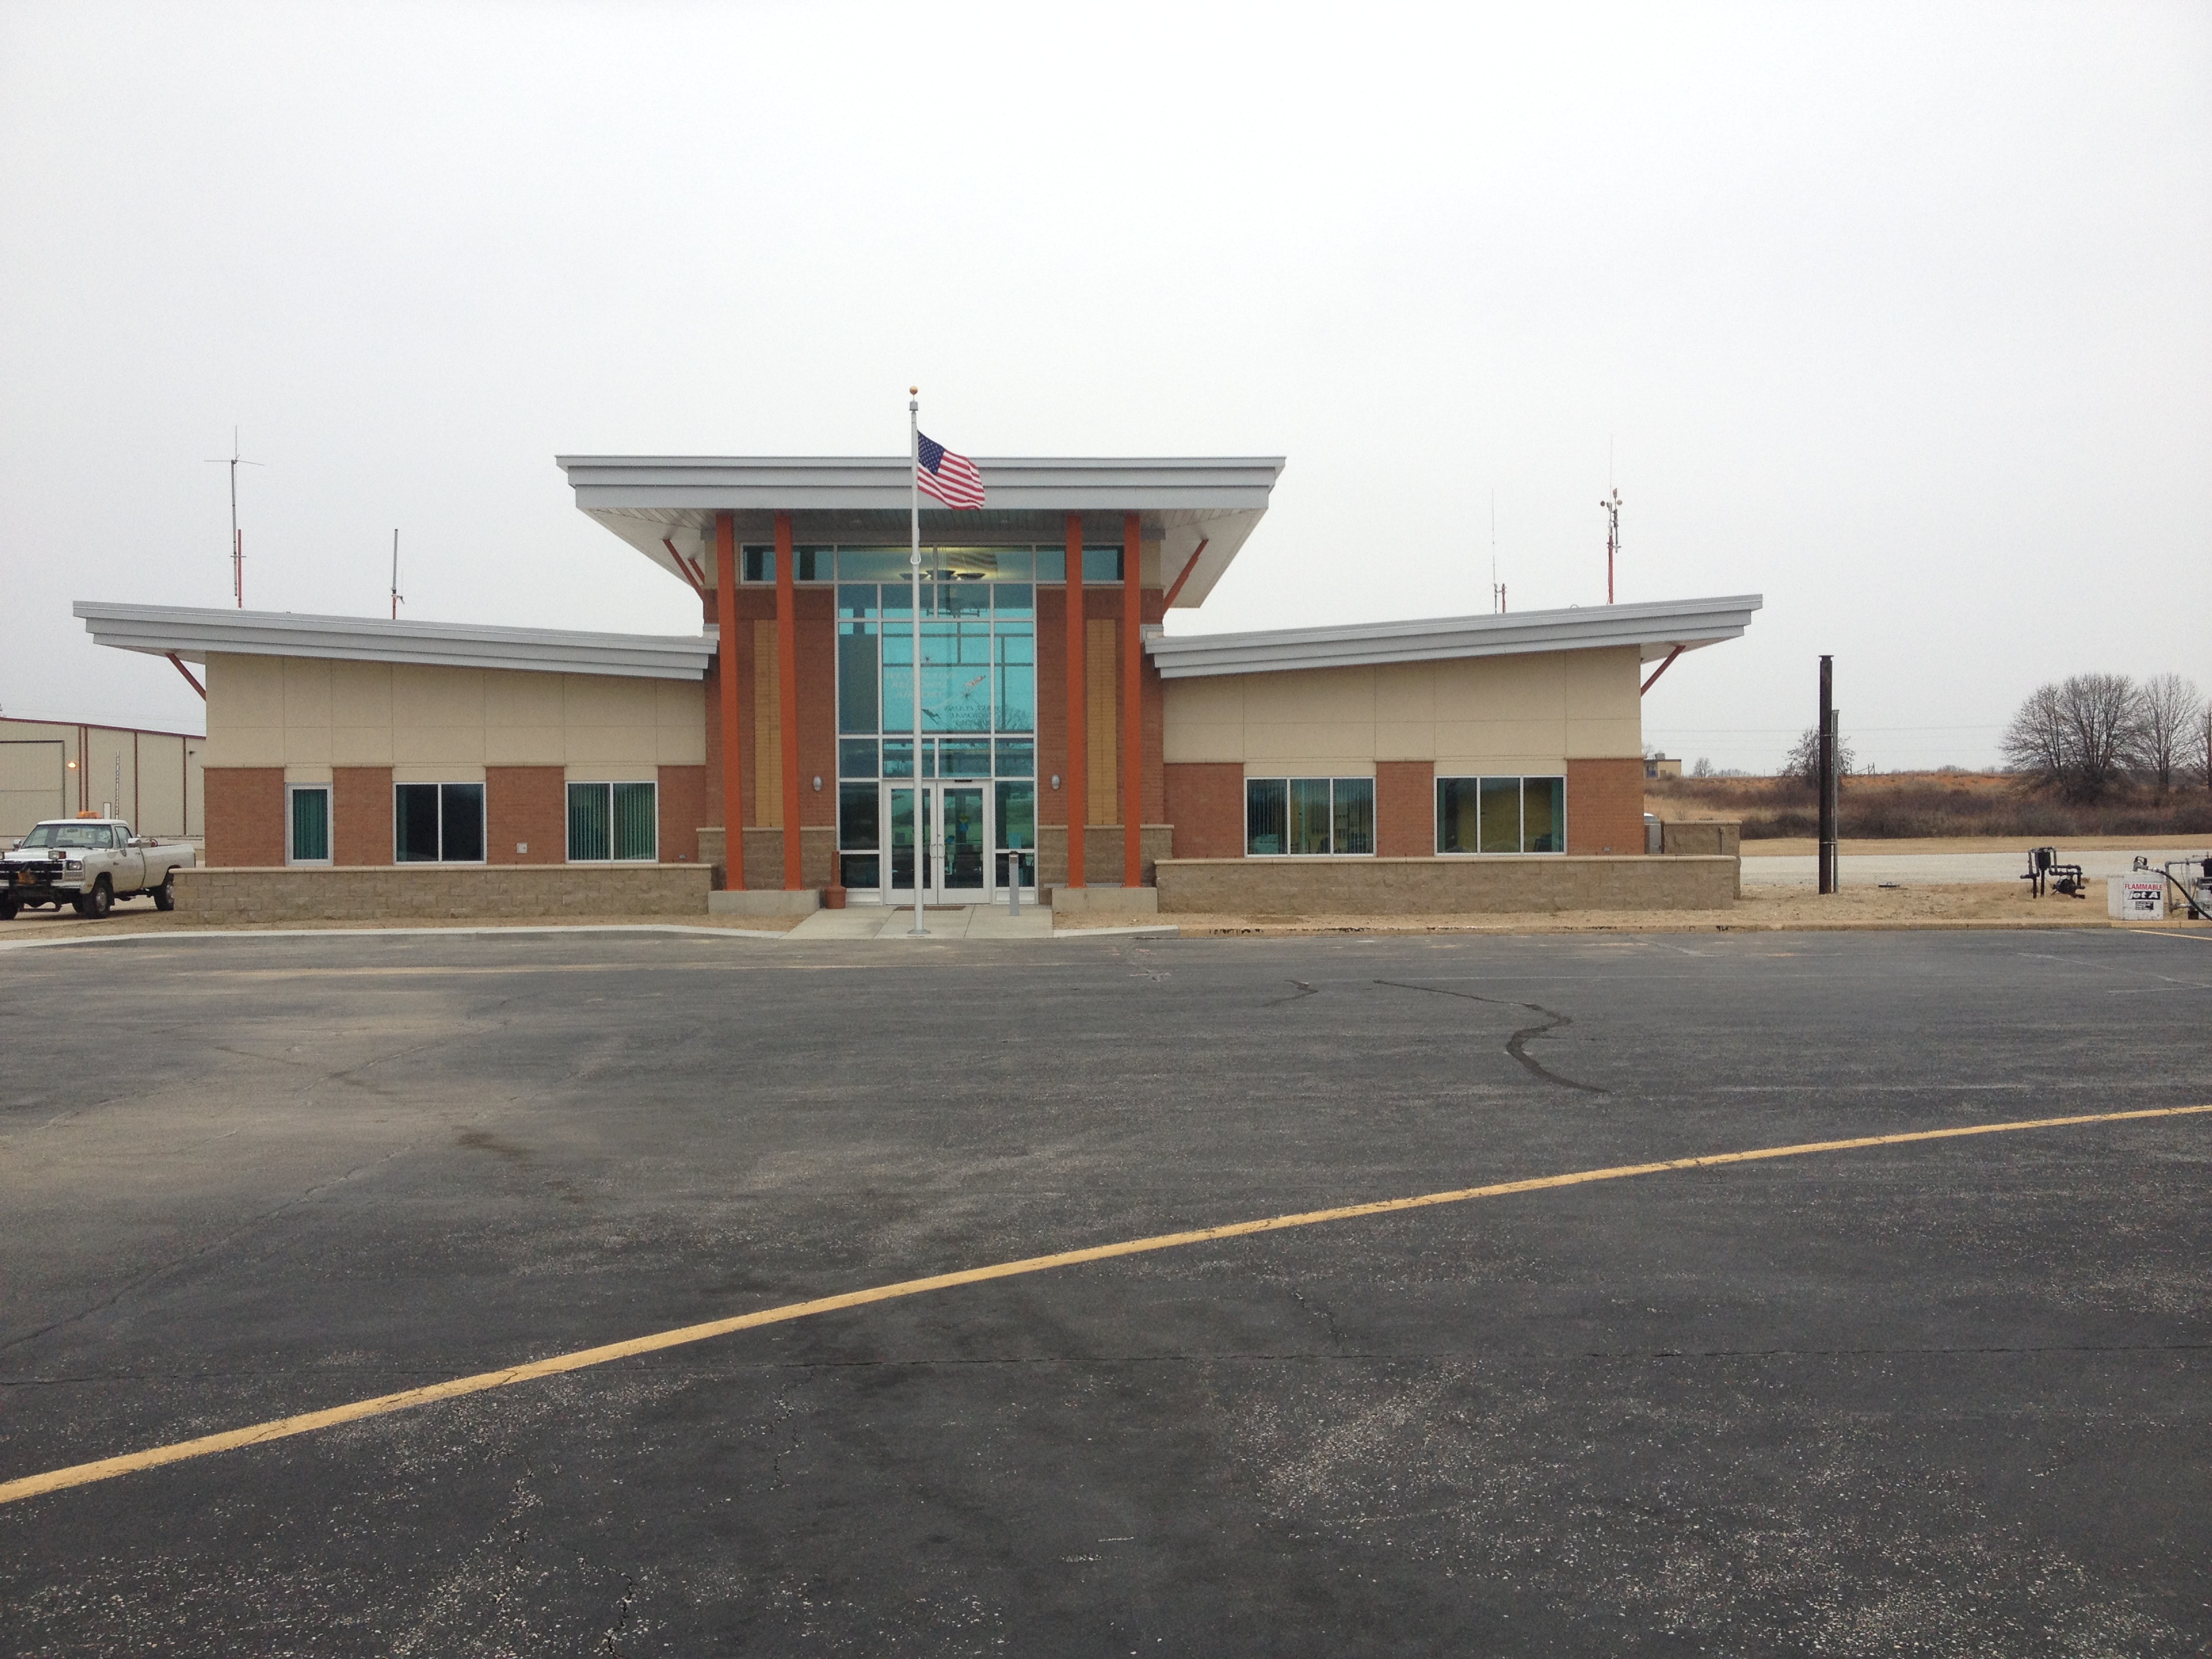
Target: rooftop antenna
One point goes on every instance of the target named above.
(395, 595)
(234, 461)
(1612, 506)
(1496, 588)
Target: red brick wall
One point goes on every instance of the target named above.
(525, 805)
(361, 814)
(1604, 805)
(683, 808)
(245, 815)
(1204, 802)
(1406, 809)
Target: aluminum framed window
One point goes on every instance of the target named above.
(614, 823)
(1501, 813)
(437, 822)
(1310, 817)
(307, 823)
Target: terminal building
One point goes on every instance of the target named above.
(1069, 743)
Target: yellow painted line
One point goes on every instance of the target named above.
(106, 1469)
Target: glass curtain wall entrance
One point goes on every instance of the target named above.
(968, 801)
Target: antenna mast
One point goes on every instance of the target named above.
(234, 461)
(1496, 588)
(1612, 506)
(395, 575)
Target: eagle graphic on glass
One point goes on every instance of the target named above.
(956, 677)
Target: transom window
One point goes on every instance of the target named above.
(1101, 565)
(1308, 817)
(1502, 815)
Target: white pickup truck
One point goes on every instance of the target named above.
(88, 864)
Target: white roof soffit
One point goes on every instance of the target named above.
(1655, 629)
(195, 634)
(1186, 502)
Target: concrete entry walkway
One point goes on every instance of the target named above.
(953, 922)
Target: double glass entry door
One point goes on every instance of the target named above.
(958, 838)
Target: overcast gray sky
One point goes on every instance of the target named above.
(1900, 315)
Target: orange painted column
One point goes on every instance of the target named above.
(726, 659)
(1133, 701)
(1078, 755)
(787, 692)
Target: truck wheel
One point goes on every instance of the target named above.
(102, 899)
(165, 896)
(9, 905)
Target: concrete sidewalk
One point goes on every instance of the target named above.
(962, 921)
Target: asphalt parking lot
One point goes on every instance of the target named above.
(1940, 1397)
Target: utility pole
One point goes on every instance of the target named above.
(1612, 506)
(234, 461)
(1830, 866)
(395, 575)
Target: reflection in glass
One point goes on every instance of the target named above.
(1017, 671)
(1266, 815)
(460, 823)
(1308, 816)
(963, 757)
(414, 814)
(1455, 815)
(872, 564)
(1017, 828)
(1353, 829)
(1017, 758)
(902, 837)
(1544, 815)
(964, 851)
(1501, 815)
(898, 758)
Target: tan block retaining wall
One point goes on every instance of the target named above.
(1379, 886)
(378, 893)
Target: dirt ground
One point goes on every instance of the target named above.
(1806, 846)
(139, 917)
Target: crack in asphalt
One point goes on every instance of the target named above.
(1515, 1045)
(1304, 991)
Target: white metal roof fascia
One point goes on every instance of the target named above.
(1654, 629)
(1188, 501)
(194, 635)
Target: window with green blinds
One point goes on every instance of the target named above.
(613, 821)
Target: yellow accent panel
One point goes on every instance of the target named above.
(768, 729)
(1102, 713)
(525, 745)
(1604, 739)
(361, 745)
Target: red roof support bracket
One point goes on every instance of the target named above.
(1202, 545)
(178, 663)
(684, 568)
(1661, 669)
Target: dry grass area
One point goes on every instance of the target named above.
(1954, 807)
(1807, 846)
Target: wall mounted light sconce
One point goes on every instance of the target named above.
(818, 783)
(1055, 779)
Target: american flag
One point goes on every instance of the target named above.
(951, 479)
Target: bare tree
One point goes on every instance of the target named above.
(2202, 748)
(2168, 712)
(2076, 736)
(1804, 761)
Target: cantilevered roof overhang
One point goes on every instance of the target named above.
(1187, 503)
(1656, 630)
(163, 630)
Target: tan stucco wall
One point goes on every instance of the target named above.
(1524, 713)
(434, 725)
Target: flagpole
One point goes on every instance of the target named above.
(913, 564)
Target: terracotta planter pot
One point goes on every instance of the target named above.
(833, 898)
